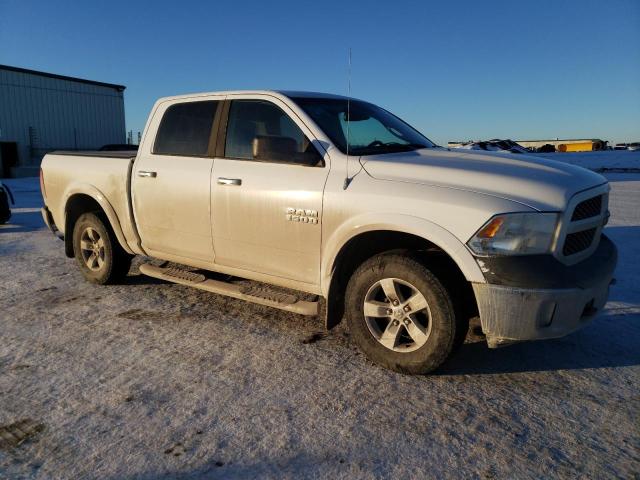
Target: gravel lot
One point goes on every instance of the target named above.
(154, 380)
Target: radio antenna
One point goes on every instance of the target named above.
(347, 180)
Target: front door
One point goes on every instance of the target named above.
(267, 194)
(171, 182)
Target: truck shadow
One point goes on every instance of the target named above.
(610, 341)
(136, 278)
(263, 467)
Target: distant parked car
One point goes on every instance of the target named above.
(634, 146)
(119, 147)
(495, 145)
(547, 148)
(621, 146)
(5, 210)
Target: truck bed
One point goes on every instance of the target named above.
(95, 153)
(106, 175)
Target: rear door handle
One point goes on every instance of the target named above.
(229, 181)
(143, 173)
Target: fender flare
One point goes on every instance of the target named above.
(98, 196)
(417, 226)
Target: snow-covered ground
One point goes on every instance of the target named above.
(154, 380)
(605, 161)
(602, 161)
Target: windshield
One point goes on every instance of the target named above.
(370, 129)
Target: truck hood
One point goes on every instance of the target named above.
(538, 183)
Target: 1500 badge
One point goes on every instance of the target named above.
(302, 215)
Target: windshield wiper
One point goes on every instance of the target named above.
(391, 147)
(415, 146)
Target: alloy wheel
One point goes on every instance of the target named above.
(92, 249)
(397, 315)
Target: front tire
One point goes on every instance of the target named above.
(400, 314)
(99, 255)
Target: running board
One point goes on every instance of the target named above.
(254, 294)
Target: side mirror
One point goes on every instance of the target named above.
(273, 147)
(285, 149)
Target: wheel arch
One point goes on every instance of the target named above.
(87, 199)
(434, 245)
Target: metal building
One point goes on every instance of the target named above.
(41, 112)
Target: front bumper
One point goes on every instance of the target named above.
(517, 310)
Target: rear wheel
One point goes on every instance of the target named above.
(97, 251)
(400, 315)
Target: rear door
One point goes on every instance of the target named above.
(268, 182)
(171, 180)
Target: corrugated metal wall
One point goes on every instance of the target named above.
(44, 114)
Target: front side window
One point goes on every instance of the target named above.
(185, 129)
(259, 130)
(361, 128)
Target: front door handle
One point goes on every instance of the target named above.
(229, 181)
(143, 173)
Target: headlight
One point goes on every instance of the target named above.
(516, 234)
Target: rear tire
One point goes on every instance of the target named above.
(99, 255)
(400, 314)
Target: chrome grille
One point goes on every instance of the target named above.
(591, 207)
(582, 225)
(578, 241)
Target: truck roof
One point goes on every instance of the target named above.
(276, 93)
(303, 94)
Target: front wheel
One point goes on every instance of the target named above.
(400, 315)
(98, 253)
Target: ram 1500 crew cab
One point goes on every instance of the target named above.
(320, 195)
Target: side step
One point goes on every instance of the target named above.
(254, 294)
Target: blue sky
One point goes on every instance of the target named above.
(456, 70)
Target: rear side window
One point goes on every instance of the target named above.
(185, 129)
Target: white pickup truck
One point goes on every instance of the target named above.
(319, 195)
